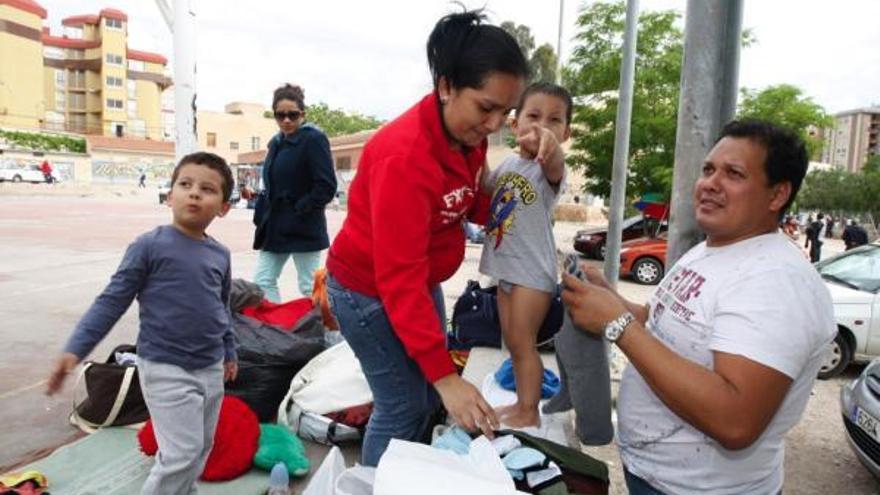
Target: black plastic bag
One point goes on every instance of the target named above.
(269, 357)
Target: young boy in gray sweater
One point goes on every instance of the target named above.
(186, 346)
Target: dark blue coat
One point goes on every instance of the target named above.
(299, 180)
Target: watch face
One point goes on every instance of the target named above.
(615, 328)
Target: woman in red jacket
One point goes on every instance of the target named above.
(417, 181)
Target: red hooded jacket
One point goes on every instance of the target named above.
(403, 233)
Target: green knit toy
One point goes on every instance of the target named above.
(278, 444)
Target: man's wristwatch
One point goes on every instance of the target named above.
(614, 328)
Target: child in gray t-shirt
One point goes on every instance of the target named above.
(186, 345)
(519, 250)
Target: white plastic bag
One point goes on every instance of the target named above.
(357, 480)
(332, 478)
(408, 467)
(330, 382)
(323, 482)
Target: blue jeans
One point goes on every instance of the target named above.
(638, 486)
(403, 400)
(269, 266)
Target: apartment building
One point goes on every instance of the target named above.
(86, 80)
(854, 138)
(240, 128)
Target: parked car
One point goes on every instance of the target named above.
(644, 259)
(15, 173)
(164, 189)
(591, 242)
(860, 407)
(853, 278)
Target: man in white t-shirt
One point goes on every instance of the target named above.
(724, 355)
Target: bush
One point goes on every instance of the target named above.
(44, 142)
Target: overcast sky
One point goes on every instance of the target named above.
(369, 56)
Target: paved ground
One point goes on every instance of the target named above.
(59, 245)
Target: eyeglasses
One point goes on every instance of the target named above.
(294, 115)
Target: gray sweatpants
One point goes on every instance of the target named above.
(586, 383)
(184, 406)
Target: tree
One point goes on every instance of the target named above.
(844, 193)
(543, 64)
(786, 105)
(542, 61)
(336, 122)
(594, 76)
(872, 164)
(522, 34)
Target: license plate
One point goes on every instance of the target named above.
(867, 423)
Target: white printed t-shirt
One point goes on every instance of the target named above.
(758, 298)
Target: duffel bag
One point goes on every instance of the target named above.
(113, 394)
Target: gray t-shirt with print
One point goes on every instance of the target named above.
(519, 246)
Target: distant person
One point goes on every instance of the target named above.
(46, 169)
(186, 346)
(815, 234)
(723, 358)
(790, 228)
(142, 180)
(519, 251)
(417, 181)
(829, 227)
(299, 181)
(854, 235)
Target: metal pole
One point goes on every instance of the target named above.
(621, 144)
(185, 77)
(559, 45)
(709, 81)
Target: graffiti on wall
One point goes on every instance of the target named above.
(130, 170)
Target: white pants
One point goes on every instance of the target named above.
(184, 406)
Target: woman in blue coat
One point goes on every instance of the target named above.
(298, 182)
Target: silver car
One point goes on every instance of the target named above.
(860, 405)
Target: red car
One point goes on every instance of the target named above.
(591, 242)
(644, 259)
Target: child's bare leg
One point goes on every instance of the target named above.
(521, 313)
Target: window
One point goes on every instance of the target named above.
(136, 65)
(77, 79)
(255, 143)
(73, 32)
(132, 108)
(60, 100)
(77, 101)
(233, 145)
(343, 163)
(60, 77)
(53, 52)
(113, 103)
(212, 139)
(113, 59)
(114, 81)
(73, 53)
(132, 88)
(113, 23)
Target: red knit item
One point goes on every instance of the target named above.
(283, 315)
(235, 441)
